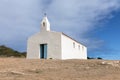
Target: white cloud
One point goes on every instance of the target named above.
(80, 17)
(74, 17)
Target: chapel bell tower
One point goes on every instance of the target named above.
(45, 25)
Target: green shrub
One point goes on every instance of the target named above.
(8, 52)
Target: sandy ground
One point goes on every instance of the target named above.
(23, 69)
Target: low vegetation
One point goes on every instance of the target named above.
(8, 52)
(94, 58)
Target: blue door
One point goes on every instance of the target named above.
(43, 51)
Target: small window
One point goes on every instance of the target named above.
(83, 48)
(79, 47)
(43, 24)
(73, 44)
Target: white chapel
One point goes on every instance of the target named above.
(48, 44)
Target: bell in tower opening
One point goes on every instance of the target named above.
(45, 25)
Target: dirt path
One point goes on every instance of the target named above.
(22, 69)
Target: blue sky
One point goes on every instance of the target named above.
(94, 23)
(109, 32)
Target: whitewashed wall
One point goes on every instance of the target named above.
(59, 46)
(71, 52)
(52, 39)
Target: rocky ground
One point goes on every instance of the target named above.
(23, 69)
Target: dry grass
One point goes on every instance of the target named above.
(22, 69)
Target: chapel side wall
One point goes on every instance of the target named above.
(71, 52)
(85, 53)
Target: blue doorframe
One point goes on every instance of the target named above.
(43, 51)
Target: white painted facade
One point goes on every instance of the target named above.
(72, 49)
(59, 45)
